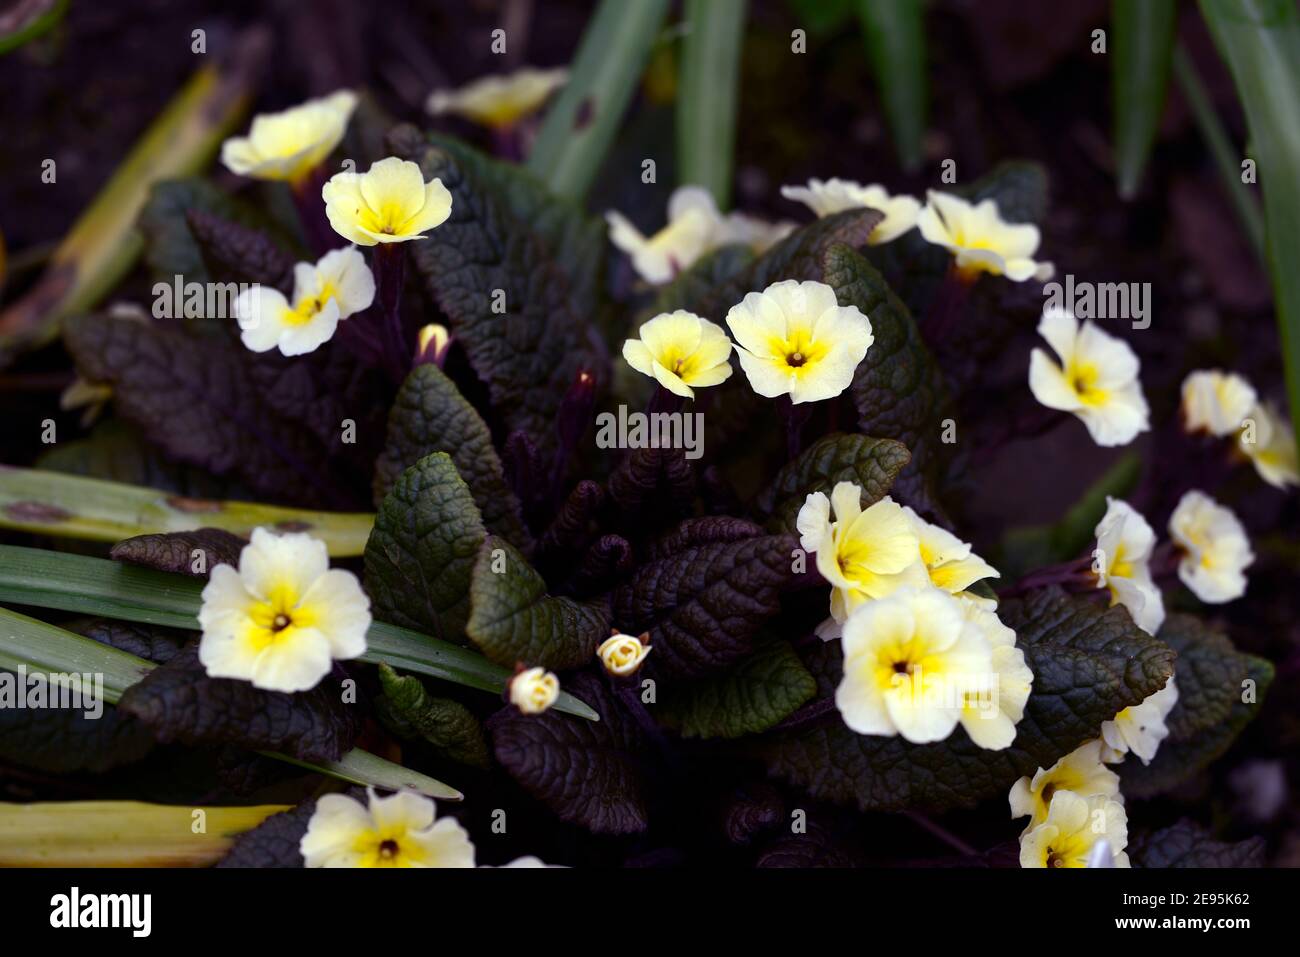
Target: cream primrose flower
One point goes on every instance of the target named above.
(1140, 728)
(948, 560)
(692, 230)
(281, 619)
(1216, 402)
(794, 338)
(992, 710)
(621, 654)
(1120, 562)
(680, 350)
(1097, 378)
(394, 831)
(863, 553)
(1216, 550)
(534, 690)
(530, 860)
(1080, 772)
(827, 197)
(1073, 827)
(339, 285)
(389, 203)
(1268, 441)
(290, 144)
(499, 101)
(911, 663)
(980, 239)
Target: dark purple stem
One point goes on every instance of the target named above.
(947, 306)
(389, 264)
(316, 226)
(796, 416)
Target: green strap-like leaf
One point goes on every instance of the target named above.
(1144, 40)
(895, 39)
(708, 95)
(584, 118)
(94, 586)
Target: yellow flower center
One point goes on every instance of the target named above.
(799, 350)
(305, 310)
(1083, 380)
(276, 616)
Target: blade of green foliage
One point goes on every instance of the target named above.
(1089, 663)
(41, 648)
(75, 506)
(1143, 41)
(581, 124)
(1260, 40)
(24, 22)
(1227, 158)
(895, 37)
(95, 586)
(708, 93)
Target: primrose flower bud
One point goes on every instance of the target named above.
(290, 144)
(692, 230)
(1121, 563)
(827, 197)
(980, 239)
(1216, 402)
(390, 203)
(1268, 441)
(283, 617)
(1096, 380)
(1140, 728)
(500, 101)
(1216, 550)
(395, 831)
(909, 662)
(533, 690)
(1073, 827)
(339, 285)
(432, 346)
(1080, 772)
(621, 654)
(680, 351)
(863, 554)
(794, 338)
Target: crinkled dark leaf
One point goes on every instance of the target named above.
(159, 645)
(62, 740)
(239, 253)
(709, 530)
(412, 713)
(512, 618)
(587, 772)
(274, 842)
(897, 389)
(751, 811)
(751, 696)
(1089, 663)
(193, 553)
(506, 234)
(817, 847)
(872, 464)
(704, 604)
(195, 396)
(430, 415)
(1213, 677)
(1187, 844)
(170, 247)
(421, 552)
(179, 702)
(655, 485)
(695, 286)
